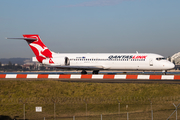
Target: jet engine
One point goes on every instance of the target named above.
(63, 61)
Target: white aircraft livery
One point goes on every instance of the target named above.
(96, 61)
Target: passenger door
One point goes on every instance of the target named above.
(150, 61)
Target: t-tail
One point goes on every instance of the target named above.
(37, 46)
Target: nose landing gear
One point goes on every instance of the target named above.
(164, 72)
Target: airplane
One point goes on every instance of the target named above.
(96, 61)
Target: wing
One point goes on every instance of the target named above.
(79, 67)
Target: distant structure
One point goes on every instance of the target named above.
(29, 64)
(176, 58)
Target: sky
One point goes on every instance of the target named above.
(91, 26)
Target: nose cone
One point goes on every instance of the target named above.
(170, 65)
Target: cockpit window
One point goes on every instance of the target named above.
(160, 58)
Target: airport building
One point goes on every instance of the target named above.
(176, 60)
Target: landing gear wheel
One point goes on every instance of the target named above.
(83, 72)
(164, 72)
(95, 72)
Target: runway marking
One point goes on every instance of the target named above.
(21, 76)
(53, 76)
(143, 76)
(155, 77)
(167, 77)
(93, 76)
(74, 76)
(176, 77)
(108, 76)
(2, 75)
(131, 76)
(86, 76)
(32, 75)
(43, 76)
(97, 76)
(68, 76)
(120, 77)
(11, 75)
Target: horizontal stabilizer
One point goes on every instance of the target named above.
(33, 39)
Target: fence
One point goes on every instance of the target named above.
(121, 108)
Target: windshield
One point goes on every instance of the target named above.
(160, 58)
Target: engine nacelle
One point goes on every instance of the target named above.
(63, 61)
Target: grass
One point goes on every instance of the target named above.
(48, 88)
(70, 98)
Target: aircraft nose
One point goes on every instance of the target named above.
(171, 65)
(168, 65)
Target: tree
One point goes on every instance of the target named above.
(10, 64)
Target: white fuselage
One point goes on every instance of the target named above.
(115, 61)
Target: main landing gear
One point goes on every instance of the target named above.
(83, 72)
(94, 72)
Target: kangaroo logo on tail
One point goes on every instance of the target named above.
(38, 47)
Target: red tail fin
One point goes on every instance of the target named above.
(38, 47)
